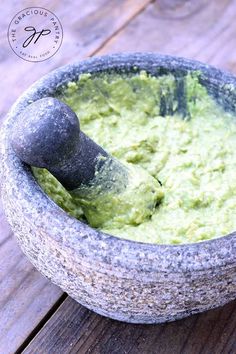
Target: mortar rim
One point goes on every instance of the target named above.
(198, 256)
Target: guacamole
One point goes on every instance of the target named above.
(192, 155)
(118, 195)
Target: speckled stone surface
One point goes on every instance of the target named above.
(121, 279)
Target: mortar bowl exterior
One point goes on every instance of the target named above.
(121, 279)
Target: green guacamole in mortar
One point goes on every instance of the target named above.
(194, 158)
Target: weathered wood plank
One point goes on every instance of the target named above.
(73, 329)
(25, 299)
(25, 296)
(87, 26)
(202, 30)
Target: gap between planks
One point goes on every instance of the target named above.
(120, 29)
(40, 325)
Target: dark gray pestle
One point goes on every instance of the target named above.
(47, 134)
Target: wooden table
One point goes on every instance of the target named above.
(35, 316)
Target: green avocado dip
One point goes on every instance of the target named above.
(118, 195)
(193, 157)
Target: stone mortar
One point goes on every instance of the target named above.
(124, 280)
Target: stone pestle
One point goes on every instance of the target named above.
(47, 135)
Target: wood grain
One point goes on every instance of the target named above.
(204, 30)
(87, 26)
(26, 298)
(73, 329)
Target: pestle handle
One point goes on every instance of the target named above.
(47, 134)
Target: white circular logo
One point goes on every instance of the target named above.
(35, 34)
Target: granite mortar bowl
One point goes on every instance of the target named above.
(124, 280)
